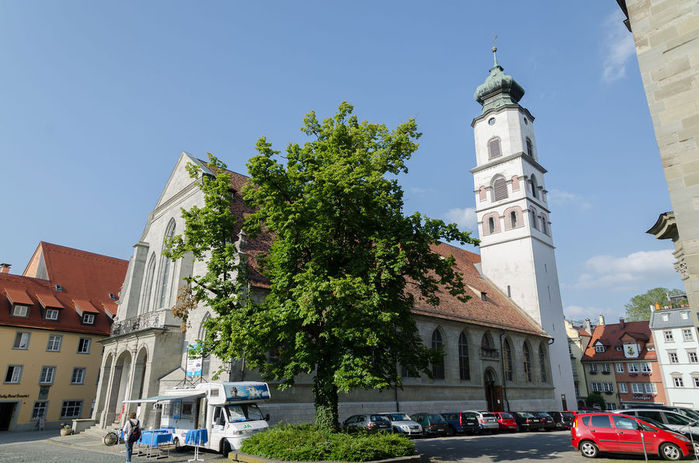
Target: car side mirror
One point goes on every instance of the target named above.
(267, 417)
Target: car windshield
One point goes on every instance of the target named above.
(436, 418)
(379, 419)
(243, 412)
(568, 415)
(543, 415)
(654, 423)
(691, 414)
(526, 415)
(450, 416)
(398, 417)
(506, 416)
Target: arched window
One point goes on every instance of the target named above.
(513, 219)
(148, 285)
(527, 360)
(494, 148)
(530, 149)
(532, 219)
(535, 187)
(438, 365)
(165, 267)
(508, 360)
(542, 363)
(543, 224)
(464, 368)
(491, 224)
(499, 188)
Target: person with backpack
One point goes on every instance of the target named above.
(132, 433)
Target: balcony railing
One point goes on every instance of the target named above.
(142, 322)
(489, 353)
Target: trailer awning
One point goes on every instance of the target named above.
(165, 398)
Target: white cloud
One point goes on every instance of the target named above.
(561, 197)
(579, 313)
(465, 218)
(618, 45)
(627, 271)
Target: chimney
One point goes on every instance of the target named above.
(588, 326)
(621, 322)
(5, 268)
(601, 320)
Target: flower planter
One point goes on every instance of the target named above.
(66, 432)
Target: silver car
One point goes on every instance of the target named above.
(672, 420)
(487, 421)
(402, 424)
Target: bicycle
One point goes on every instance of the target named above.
(112, 438)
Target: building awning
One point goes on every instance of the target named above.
(165, 398)
(49, 301)
(18, 296)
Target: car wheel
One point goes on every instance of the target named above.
(589, 449)
(225, 448)
(670, 451)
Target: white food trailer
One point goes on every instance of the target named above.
(228, 411)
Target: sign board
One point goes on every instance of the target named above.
(246, 391)
(631, 351)
(194, 367)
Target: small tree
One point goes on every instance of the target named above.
(345, 265)
(595, 398)
(638, 308)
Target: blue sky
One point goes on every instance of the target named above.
(98, 99)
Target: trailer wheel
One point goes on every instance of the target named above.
(225, 448)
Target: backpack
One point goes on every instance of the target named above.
(134, 432)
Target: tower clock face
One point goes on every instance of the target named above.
(491, 121)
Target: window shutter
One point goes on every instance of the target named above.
(494, 148)
(499, 189)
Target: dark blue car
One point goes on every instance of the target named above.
(462, 422)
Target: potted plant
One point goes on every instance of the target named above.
(66, 429)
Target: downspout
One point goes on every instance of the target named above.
(504, 378)
(395, 395)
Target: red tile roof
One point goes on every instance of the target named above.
(613, 336)
(81, 305)
(82, 275)
(17, 296)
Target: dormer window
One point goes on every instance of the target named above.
(51, 314)
(112, 296)
(484, 296)
(19, 310)
(599, 347)
(88, 319)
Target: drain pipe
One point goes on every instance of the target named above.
(502, 365)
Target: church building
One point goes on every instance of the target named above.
(504, 347)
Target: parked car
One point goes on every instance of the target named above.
(367, 422)
(487, 422)
(432, 424)
(563, 420)
(506, 422)
(402, 424)
(690, 413)
(545, 421)
(593, 433)
(462, 422)
(526, 421)
(669, 418)
(693, 437)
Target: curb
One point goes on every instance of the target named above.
(245, 458)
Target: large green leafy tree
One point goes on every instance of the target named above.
(638, 308)
(346, 265)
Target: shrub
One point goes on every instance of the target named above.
(308, 443)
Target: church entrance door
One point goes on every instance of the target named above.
(493, 392)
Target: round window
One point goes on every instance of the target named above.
(491, 121)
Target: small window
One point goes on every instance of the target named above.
(599, 348)
(509, 294)
(633, 367)
(526, 121)
(71, 408)
(187, 408)
(513, 219)
(606, 368)
(600, 421)
(20, 310)
(14, 374)
(650, 388)
(51, 314)
(673, 357)
(593, 368)
(535, 187)
(21, 341)
(47, 375)
(78, 376)
(84, 346)
(88, 319)
(687, 334)
(54, 344)
(544, 225)
(491, 225)
(530, 149)
(619, 367)
(677, 381)
(532, 219)
(692, 356)
(494, 148)
(622, 388)
(645, 367)
(491, 121)
(696, 381)
(668, 336)
(39, 409)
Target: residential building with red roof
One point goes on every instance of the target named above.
(621, 364)
(51, 319)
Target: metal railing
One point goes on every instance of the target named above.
(141, 322)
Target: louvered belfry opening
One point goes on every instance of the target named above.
(499, 189)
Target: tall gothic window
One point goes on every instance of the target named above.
(543, 224)
(527, 363)
(542, 363)
(491, 225)
(532, 219)
(464, 368)
(438, 365)
(535, 187)
(530, 149)
(165, 264)
(148, 285)
(508, 360)
(499, 189)
(513, 219)
(494, 148)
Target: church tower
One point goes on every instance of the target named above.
(517, 252)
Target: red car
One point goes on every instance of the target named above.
(506, 421)
(593, 433)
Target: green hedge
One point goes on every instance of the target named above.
(307, 443)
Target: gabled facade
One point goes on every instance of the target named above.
(51, 320)
(678, 350)
(621, 364)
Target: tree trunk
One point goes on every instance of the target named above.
(326, 401)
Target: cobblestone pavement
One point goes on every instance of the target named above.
(30, 447)
(520, 448)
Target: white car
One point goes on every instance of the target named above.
(402, 424)
(672, 420)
